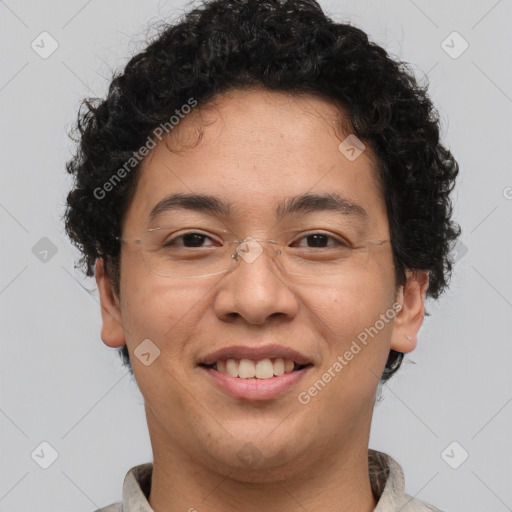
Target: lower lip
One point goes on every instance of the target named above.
(256, 389)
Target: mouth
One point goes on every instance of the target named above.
(263, 369)
(255, 373)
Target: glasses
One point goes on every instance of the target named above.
(180, 252)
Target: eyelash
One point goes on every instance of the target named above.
(314, 233)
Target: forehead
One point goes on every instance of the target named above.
(255, 148)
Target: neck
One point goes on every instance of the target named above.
(338, 480)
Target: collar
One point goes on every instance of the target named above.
(386, 479)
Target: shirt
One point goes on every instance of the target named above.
(386, 479)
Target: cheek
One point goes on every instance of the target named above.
(355, 303)
(163, 310)
(357, 342)
(348, 317)
(168, 316)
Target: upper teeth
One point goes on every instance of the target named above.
(262, 369)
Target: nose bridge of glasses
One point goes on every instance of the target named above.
(250, 249)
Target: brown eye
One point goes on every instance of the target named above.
(317, 240)
(321, 240)
(189, 240)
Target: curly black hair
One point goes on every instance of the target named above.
(281, 45)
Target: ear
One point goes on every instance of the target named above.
(112, 331)
(407, 323)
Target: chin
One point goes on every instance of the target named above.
(254, 457)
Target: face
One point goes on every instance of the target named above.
(258, 151)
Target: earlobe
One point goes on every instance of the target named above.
(112, 331)
(407, 323)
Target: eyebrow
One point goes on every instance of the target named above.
(305, 203)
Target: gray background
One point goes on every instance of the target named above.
(60, 384)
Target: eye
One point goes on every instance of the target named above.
(322, 240)
(189, 240)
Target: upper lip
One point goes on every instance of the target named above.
(255, 353)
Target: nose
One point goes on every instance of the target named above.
(255, 289)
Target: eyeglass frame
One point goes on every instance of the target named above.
(235, 256)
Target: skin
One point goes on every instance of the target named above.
(258, 148)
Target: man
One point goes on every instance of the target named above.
(264, 202)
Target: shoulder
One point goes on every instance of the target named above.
(388, 486)
(136, 489)
(115, 507)
(414, 505)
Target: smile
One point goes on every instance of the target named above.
(259, 369)
(255, 373)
